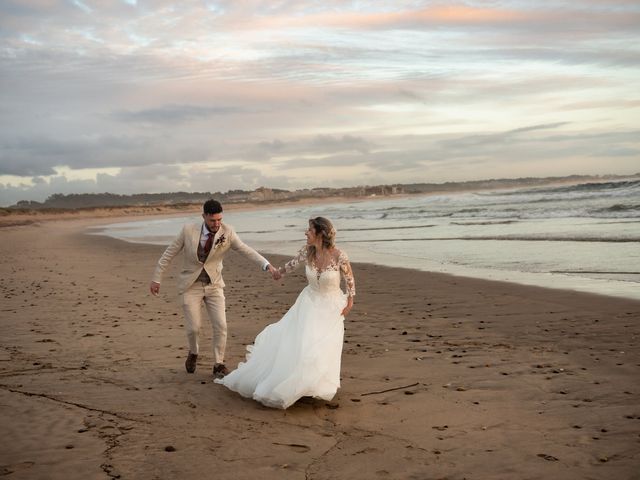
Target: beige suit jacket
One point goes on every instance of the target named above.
(187, 242)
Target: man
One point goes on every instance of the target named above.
(204, 247)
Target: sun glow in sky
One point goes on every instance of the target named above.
(156, 96)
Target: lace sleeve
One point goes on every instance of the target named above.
(347, 273)
(295, 261)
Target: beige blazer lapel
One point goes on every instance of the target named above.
(194, 241)
(216, 242)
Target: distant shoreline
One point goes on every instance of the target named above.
(89, 205)
(16, 216)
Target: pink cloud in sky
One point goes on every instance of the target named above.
(460, 14)
(573, 17)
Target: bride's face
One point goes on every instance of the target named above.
(311, 235)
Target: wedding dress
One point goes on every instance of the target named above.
(300, 354)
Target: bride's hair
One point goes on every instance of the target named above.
(326, 230)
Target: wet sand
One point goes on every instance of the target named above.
(442, 376)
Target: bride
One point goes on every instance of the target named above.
(299, 356)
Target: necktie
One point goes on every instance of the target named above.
(207, 246)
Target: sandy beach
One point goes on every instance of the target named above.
(443, 377)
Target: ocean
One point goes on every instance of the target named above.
(583, 237)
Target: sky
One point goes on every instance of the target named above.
(212, 95)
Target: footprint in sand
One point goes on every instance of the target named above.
(550, 458)
(9, 469)
(296, 447)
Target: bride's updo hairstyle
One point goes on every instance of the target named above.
(326, 230)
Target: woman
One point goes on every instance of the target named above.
(299, 356)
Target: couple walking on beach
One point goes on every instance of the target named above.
(295, 357)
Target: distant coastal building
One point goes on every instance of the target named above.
(383, 190)
(263, 194)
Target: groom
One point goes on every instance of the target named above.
(203, 246)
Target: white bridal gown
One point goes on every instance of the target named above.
(299, 355)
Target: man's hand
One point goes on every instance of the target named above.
(154, 288)
(275, 273)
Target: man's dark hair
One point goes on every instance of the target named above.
(211, 207)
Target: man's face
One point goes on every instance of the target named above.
(213, 221)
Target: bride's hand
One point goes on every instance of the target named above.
(348, 307)
(275, 272)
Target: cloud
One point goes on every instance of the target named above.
(472, 142)
(410, 159)
(320, 144)
(531, 128)
(171, 114)
(152, 179)
(559, 18)
(39, 156)
(223, 179)
(396, 159)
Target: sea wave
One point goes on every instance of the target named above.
(533, 210)
(633, 185)
(400, 227)
(359, 229)
(519, 238)
(616, 200)
(618, 207)
(488, 222)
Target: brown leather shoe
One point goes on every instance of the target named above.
(190, 362)
(220, 370)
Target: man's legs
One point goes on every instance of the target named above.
(215, 303)
(192, 307)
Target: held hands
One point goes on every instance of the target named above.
(348, 307)
(275, 273)
(154, 288)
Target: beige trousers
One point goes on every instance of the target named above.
(213, 299)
